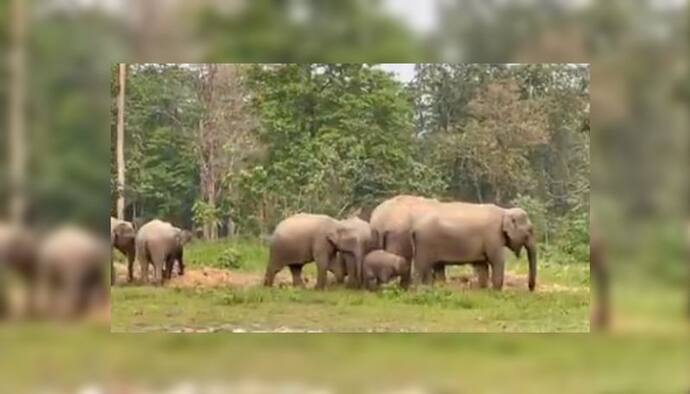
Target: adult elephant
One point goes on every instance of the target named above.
(71, 272)
(122, 238)
(393, 220)
(465, 233)
(161, 244)
(303, 238)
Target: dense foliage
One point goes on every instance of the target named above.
(337, 138)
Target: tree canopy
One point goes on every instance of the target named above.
(256, 143)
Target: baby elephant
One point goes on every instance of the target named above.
(380, 267)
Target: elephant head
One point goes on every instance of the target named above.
(123, 234)
(184, 237)
(354, 238)
(519, 233)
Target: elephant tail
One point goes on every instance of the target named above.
(413, 243)
(141, 251)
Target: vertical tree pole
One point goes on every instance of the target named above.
(17, 112)
(121, 143)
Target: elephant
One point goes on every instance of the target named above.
(466, 233)
(122, 237)
(161, 244)
(354, 241)
(303, 238)
(18, 256)
(380, 267)
(71, 272)
(393, 220)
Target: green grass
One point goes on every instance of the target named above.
(249, 254)
(437, 310)
(71, 357)
(561, 303)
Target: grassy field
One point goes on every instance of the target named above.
(560, 304)
(77, 358)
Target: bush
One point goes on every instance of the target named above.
(573, 236)
(230, 258)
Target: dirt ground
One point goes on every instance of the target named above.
(214, 277)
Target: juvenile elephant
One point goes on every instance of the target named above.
(380, 267)
(71, 272)
(464, 233)
(122, 238)
(161, 244)
(303, 238)
(354, 239)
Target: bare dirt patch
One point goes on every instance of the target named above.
(215, 277)
(208, 277)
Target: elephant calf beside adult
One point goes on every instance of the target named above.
(336, 246)
(161, 244)
(465, 233)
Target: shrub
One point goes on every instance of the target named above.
(230, 258)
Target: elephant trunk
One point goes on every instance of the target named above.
(532, 258)
(359, 267)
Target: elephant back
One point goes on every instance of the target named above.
(71, 246)
(398, 213)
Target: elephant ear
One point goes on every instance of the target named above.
(342, 239)
(509, 226)
(123, 230)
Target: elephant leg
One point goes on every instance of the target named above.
(321, 271)
(112, 272)
(497, 269)
(130, 267)
(158, 272)
(271, 271)
(159, 259)
(169, 265)
(405, 279)
(423, 270)
(337, 267)
(144, 267)
(296, 271)
(439, 273)
(482, 270)
(180, 264)
(353, 280)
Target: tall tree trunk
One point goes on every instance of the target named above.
(121, 143)
(17, 112)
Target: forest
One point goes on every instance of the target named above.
(233, 149)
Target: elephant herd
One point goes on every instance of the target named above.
(156, 243)
(405, 234)
(62, 271)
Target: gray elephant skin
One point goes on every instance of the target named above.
(18, 256)
(122, 238)
(71, 272)
(303, 238)
(160, 244)
(393, 220)
(380, 267)
(354, 240)
(465, 233)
